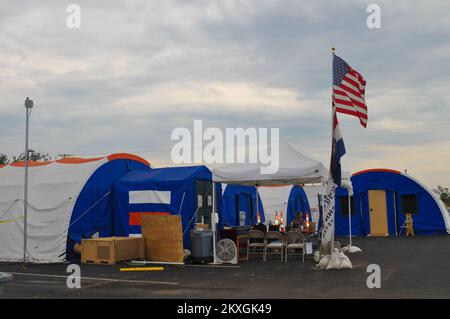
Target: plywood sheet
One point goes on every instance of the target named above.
(163, 237)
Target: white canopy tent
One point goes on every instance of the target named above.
(294, 168)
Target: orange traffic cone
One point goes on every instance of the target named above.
(307, 223)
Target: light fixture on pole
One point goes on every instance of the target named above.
(28, 108)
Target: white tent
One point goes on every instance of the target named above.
(294, 168)
(53, 189)
(54, 195)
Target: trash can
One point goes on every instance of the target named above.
(201, 245)
(4, 278)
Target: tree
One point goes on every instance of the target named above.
(4, 160)
(444, 194)
(34, 156)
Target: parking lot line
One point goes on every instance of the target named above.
(101, 279)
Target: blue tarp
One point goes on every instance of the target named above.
(180, 181)
(427, 221)
(245, 197)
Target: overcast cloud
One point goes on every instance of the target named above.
(138, 69)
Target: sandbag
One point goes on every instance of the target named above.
(339, 261)
(316, 256)
(351, 249)
(323, 261)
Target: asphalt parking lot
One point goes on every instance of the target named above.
(416, 267)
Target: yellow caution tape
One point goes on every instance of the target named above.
(10, 220)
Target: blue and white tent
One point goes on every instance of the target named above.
(381, 199)
(68, 200)
(236, 199)
(184, 191)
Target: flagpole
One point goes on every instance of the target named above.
(349, 214)
(333, 50)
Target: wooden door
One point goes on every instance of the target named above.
(378, 213)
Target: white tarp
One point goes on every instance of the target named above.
(53, 190)
(294, 168)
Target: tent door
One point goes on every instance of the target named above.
(378, 213)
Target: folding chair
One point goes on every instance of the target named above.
(294, 240)
(255, 243)
(274, 240)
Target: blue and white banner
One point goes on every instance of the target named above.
(334, 180)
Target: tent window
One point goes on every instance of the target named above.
(343, 201)
(409, 204)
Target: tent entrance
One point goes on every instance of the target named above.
(244, 205)
(378, 213)
(203, 190)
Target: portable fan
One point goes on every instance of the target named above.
(226, 251)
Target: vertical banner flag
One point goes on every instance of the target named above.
(349, 98)
(334, 180)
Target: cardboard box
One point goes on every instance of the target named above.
(202, 226)
(110, 250)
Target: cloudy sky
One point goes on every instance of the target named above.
(136, 70)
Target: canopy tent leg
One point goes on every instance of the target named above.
(214, 221)
(256, 205)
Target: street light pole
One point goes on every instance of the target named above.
(28, 107)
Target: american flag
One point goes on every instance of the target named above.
(348, 90)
